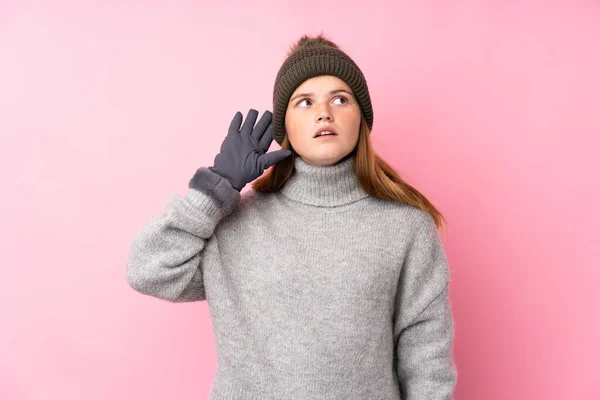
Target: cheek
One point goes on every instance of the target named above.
(295, 125)
(352, 119)
(290, 123)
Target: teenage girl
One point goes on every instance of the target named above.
(326, 280)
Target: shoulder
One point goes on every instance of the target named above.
(249, 200)
(411, 217)
(252, 198)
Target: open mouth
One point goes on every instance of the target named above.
(324, 133)
(325, 137)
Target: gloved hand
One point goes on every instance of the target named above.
(243, 156)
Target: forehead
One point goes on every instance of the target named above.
(323, 83)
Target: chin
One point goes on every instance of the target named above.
(324, 159)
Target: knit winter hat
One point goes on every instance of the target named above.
(314, 57)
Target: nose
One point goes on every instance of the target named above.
(324, 115)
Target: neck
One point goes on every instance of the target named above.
(324, 186)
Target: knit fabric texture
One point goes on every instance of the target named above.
(314, 60)
(317, 291)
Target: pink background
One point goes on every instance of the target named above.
(490, 109)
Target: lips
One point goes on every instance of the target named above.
(324, 129)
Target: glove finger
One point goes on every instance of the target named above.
(264, 122)
(266, 139)
(249, 122)
(235, 123)
(269, 159)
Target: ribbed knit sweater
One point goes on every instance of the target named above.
(317, 291)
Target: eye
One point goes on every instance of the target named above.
(343, 98)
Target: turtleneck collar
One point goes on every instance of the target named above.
(324, 186)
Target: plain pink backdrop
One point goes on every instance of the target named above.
(489, 109)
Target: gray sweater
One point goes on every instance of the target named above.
(318, 291)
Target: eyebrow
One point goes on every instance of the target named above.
(312, 94)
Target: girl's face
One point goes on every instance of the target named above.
(323, 102)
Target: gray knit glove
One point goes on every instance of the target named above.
(243, 156)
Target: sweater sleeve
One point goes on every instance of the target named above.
(423, 323)
(165, 259)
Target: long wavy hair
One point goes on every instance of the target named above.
(375, 175)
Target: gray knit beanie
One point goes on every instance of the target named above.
(314, 57)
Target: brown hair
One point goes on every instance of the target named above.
(374, 174)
